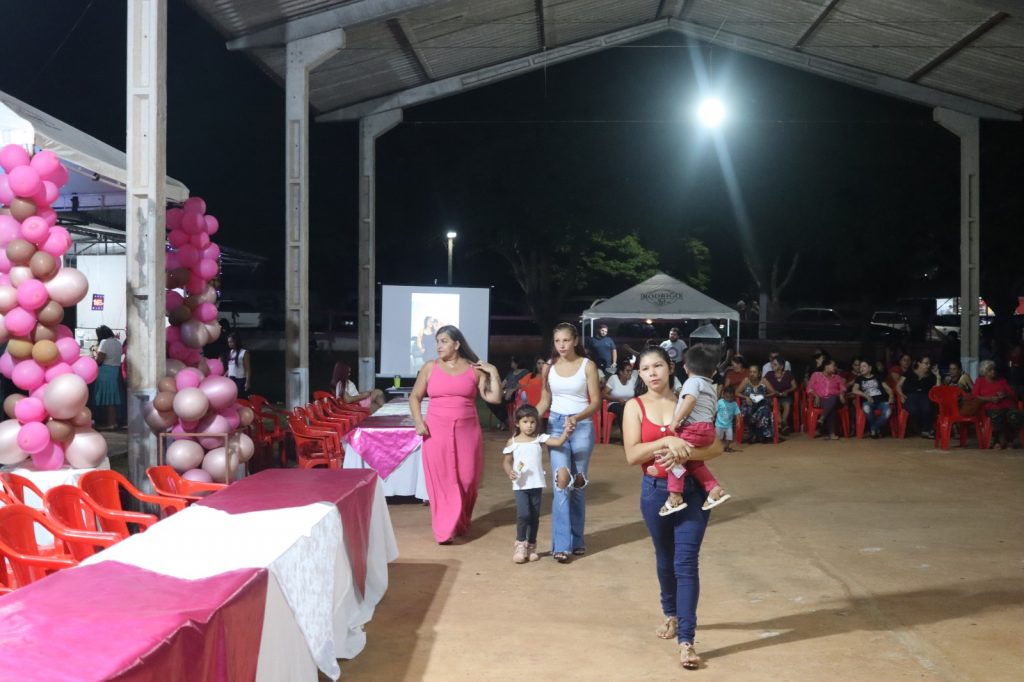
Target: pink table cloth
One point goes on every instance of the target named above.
(351, 490)
(112, 621)
(385, 441)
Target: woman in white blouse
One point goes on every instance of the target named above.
(620, 388)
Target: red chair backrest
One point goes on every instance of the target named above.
(321, 395)
(17, 485)
(948, 400)
(165, 480)
(70, 506)
(104, 487)
(18, 533)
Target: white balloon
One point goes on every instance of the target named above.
(215, 462)
(184, 455)
(86, 450)
(10, 453)
(67, 287)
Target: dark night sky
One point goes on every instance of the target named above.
(845, 175)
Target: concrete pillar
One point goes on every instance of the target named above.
(304, 55)
(968, 130)
(370, 128)
(144, 221)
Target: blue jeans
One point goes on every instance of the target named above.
(569, 505)
(677, 538)
(876, 424)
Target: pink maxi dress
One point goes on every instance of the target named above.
(453, 453)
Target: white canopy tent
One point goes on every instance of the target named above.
(665, 298)
(97, 171)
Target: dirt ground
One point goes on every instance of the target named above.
(849, 560)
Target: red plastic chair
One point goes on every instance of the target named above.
(795, 409)
(338, 426)
(948, 400)
(168, 483)
(315, 447)
(607, 421)
(812, 413)
(266, 412)
(266, 440)
(104, 487)
(740, 426)
(23, 555)
(73, 508)
(17, 485)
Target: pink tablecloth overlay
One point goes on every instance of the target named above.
(351, 490)
(384, 442)
(119, 622)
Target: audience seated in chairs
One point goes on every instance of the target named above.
(827, 391)
(958, 377)
(756, 402)
(345, 389)
(783, 385)
(999, 402)
(620, 388)
(509, 388)
(735, 374)
(876, 398)
(899, 370)
(913, 388)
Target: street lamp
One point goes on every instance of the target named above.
(451, 244)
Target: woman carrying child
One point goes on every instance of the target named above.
(524, 464)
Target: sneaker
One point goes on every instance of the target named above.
(531, 552)
(520, 555)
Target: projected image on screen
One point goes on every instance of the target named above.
(411, 316)
(429, 313)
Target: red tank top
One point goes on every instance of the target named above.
(649, 431)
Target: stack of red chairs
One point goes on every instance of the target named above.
(315, 447)
(264, 437)
(948, 400)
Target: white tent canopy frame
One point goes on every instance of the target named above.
(662, 297)
(97, 169)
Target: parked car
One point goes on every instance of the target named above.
(946, 324)
(239, 314)
(820, 324)
(891, 319)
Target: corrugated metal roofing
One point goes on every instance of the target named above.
(973, 49)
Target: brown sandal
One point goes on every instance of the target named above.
(688, 656)
(668, 628)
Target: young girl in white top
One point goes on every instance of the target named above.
(524, 464)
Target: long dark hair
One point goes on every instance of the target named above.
(103, 333)
(455, 335)
(641, 387)
(567, 327)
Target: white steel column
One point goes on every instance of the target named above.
(370, 128)
(144, 221)
(304, 55)
(967, 129)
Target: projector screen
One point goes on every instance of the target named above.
(411, 315)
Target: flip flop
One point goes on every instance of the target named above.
(688, 656)
(667, 509)
(711, 504)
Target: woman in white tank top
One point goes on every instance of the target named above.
(572, 392)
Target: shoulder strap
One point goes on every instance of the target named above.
(643, 410)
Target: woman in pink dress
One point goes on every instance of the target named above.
(452, 443)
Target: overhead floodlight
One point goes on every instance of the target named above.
(452, 235)
(711, 112)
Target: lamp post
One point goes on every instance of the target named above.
(451, 245)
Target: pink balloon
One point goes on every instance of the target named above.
(5, 262)
(24, 181)
(45, 163)
(32, 294)
(30, 410)
(34, 437)
(196, 285)
(8, 299)
(193, 223)
(86, 368)
(8, 228)
(50, 192)
(207, 269)
(19, 321)
(200, 241)
(10, 453)
(212, 225)
(12, 156)
(87, 449)
(173, 261)
(190, 377)
(174, 300)
(58, 242)
(6, 195)
(184, 455)
(64, 332)
(222, 392)
(178, 351)
(50, 458)
(188, 256)
(206, 312)
(68, 350)
(60, 178)
(212, 252)
(195, 205)
(39, 391)
(47, 214)
(7, 365)
(186, 427)
(68, 287)
(212, 423)
(35, 229)
(198, 475)
(190, 404)
(231, 414)
(28, 375)
(55, 370)
(4, 334)
(174, 218)
(66, 395)
(5, 280)
(216, 367)
(177, 238)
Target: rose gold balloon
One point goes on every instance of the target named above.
(86, 450)
(19, 274)
(10, 401)
(44, 333)
(208, 296)
(83, 418)
(42, 265)
(20, 349)
(213, 330)
(51, 314)
(45, 353)
(60, 431)
(167, 385)
(246, 415)
(67, 287)
(204, 367)
(164, 401)
(20, 251)
(22, 208)
(173, 367)
(8, 298)
(194, 334)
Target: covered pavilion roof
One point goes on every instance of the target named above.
(964, 55)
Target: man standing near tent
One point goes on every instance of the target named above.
(676, 349)
(603, 349)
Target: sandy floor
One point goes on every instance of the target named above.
(850, 560)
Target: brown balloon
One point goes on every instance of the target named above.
(45, 352)
(44, 333)
(20, 251)
(83, 418)
(60, 431)
(164, 401)
(51, 314)
(20, 349)
(42, 264)
(204, 367)
(180, 277)
(192, 302)
(180, 314)
(22, 208)
(167, 385)
(246, 415)
(10, 401)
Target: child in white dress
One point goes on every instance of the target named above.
(524, 464)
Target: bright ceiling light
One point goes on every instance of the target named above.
(451, 235)
(711, 112)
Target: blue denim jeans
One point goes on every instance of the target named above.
(569, 505)
(677, 539)
(876, 424)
